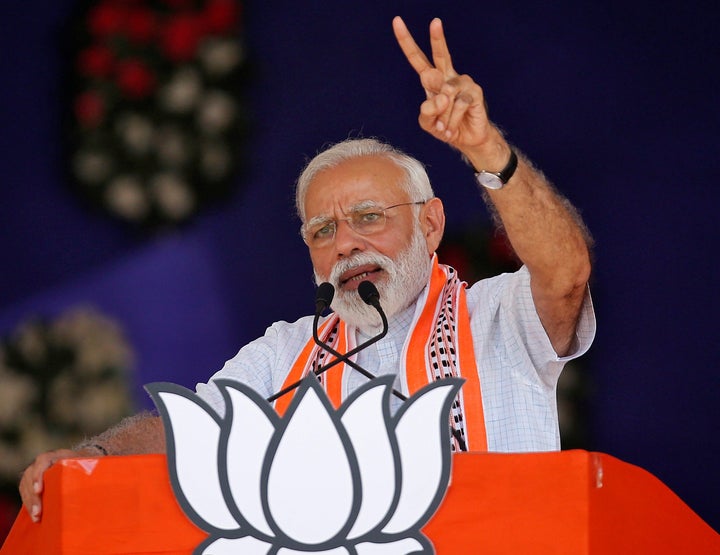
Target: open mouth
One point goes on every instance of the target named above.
(352, 278)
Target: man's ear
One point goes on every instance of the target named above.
(432, 223)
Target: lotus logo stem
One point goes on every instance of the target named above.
(355, 480)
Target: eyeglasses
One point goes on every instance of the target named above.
(365, 220)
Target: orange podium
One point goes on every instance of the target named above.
(570, 502)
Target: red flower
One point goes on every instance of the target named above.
(134, 78)
(222, 16)
(95, 61)
(181, 37)
(141, 25)
(107, 18)
(90, 109)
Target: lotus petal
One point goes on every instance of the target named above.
(422, 430)
(310, 462)
(399, 547)
(193, 435)
(335, 551)
(365, 418)
(252, 427)
(232, 546)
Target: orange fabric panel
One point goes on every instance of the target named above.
(501, 504)
(505, 504)
(634, 512)
(415, 363)
(297, 373)
(109, 505)
(471, 391)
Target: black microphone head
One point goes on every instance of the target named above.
(323, 296)
(368, 293)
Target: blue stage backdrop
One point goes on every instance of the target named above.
(615, 101)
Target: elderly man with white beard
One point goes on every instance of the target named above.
(368, 212)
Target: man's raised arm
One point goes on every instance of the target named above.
(543, 228)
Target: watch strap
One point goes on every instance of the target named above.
(507, 172)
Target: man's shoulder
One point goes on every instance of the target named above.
(285, 329)
(280, 338)
(501, 282)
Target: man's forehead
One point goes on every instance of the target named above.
(369, 179)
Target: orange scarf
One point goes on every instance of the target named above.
(440, 343)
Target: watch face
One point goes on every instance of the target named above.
(489, 180)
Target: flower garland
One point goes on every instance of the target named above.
(156, 124)
(63, 380)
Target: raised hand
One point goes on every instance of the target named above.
(455, 110)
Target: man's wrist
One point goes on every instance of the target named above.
(491, 156)
(494, 175)
(100, 448)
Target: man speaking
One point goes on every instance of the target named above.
(368, 213)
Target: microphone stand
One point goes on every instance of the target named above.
(341, 358)
(369, 295)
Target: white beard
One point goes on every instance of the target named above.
(404, 280)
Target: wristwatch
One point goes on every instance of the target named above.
(495, 181)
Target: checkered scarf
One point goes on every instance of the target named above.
(440, 342)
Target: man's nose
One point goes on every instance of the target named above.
(347, 240)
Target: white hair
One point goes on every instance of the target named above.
(416, 182)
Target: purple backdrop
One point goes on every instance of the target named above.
(615, 101)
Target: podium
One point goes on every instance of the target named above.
(574, 502)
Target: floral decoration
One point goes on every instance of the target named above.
(156, 120)
(62, 380)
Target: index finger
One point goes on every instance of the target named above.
(412, 51)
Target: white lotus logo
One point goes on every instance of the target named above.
(318, 480)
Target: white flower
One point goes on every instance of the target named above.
(355, 480)
(126, 197)
(173, 195)
(216, 112)
(17, 392)
(181, 93)
(136, 132)
(173, 146)
(102, 405)
(30, 341)
(98, 341)
(220, 56)
(61, 399)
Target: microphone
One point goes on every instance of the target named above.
(370, 295)
(323, 297)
